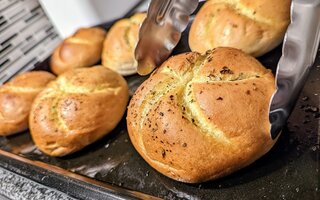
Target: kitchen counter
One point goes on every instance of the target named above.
(13, 186)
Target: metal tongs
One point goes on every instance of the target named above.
(161, 31)
(299, 51)
(167, 19)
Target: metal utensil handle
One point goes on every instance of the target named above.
(298, 54)
(161, 32)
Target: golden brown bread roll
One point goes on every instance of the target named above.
(255, 27)
(16, 98)
(83, 49)
(200, 117)
(77, 109)
(120, 43)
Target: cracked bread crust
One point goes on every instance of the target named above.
(200, 117)
(255, 27)
(77, 109)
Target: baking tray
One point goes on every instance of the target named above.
(112, 169)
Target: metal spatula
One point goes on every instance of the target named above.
(166, 19)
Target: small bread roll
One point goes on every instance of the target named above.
(120, 43)
(83, 49)
(200, 117)
(77, 109)
(16, 98)
(255, 27)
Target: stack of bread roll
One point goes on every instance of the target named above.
(199, 117)
(64, 114)
(85, 102)
(90, 45)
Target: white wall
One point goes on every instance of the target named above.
(69, 15)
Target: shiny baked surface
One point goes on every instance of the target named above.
(200, 117)
(80, 107)
(120, 43)
(255, 27)
(16, 97)
(82, 49)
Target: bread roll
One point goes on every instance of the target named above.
(255, 27)
(83, 49)
(120, 43)
(77, 109)
(200, 117)
(16, 97)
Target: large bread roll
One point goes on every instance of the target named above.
(200, 117)
(83, 49)
(77, 109)
(120, 43)
(255, 27)
(16, 98)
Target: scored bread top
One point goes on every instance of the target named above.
(80, 107)
(255, 27)
(199, 117)
(16, 97)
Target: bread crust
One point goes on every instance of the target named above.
(120, 43)
(82, 49)
(255, 27)
(201, 117)
(16, 98)
(77, 109)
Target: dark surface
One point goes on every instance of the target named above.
(289, 171)
(73, 185)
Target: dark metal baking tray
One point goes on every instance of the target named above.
(112, 169)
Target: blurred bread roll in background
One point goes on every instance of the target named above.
(120, 43)
(83, 49)
(16, 97)
(77, 109)
(201, 117)
(255, 27)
